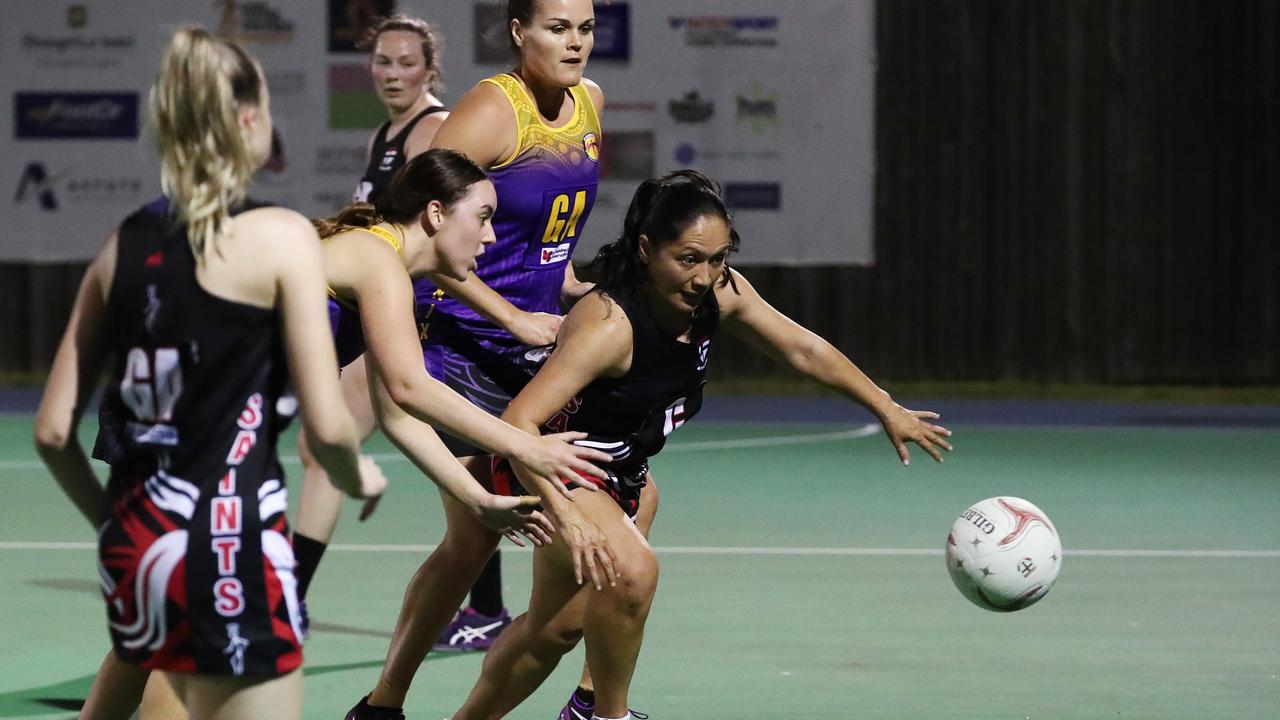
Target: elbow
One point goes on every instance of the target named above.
(51, 439)
(327, 445)
(406, 388)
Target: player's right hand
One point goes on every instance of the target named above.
(372, 482)
(515, 516)
(536, 329)
(557, 459)
(587, 545)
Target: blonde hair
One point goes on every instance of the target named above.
(205, 159)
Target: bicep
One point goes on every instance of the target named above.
(384, 295)
(590, 346)
(748, 316)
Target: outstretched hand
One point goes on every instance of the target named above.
(372, 484)
(516, 516)
(902, 426)
(536, 329)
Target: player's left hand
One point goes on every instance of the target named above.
(902, 426)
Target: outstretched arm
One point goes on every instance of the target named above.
(748, 316)
(370, 271)
(71, 381)
(420, 443)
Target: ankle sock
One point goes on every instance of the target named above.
(486, 593)
(307, 552)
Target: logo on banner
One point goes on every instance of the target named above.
(40, 115)
(688, 154)
(616, 106)
(753, 195)
(691, 108)
(757, 110)
(284, 83)
(629, 155)
(612, 32)
(348, 19)
(77, 48)
(77, 16)
(345, 160)
(52, 189)
(353, 103)
(254, 21)
(712, 31)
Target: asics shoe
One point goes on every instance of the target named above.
(471, 630)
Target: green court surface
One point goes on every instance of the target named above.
(802, 576)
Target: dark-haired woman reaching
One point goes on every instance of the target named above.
(628, 369)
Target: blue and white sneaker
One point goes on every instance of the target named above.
(471, 630)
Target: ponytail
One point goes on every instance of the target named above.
(205, 160)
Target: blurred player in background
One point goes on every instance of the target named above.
(404, 60)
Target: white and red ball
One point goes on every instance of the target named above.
(1003, 553)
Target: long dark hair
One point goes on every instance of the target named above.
(661, 210)
(437, 174)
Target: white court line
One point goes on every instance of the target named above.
(769, 441)
(752, 551)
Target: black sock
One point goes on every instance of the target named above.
(486, 594)
(308, 553)
(586, 698)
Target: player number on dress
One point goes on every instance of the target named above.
(562, 222)
(151, 386)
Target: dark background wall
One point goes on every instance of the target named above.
(1066, 191)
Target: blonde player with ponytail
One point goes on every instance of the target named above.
(202, 303)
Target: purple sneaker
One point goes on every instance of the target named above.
(472, 631)
(575, 709)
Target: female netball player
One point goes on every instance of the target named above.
(436, 218)
(207, 302)
(628, 368)
(404, 62)
(537, 130)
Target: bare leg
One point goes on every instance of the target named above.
(319, 502)
(527, 652)
(212, 697)
(160, 701)
(116, 691)
(435, 593)
(644, 521)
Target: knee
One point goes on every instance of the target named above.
(560, 637)
(467, 548)
(638, 581)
